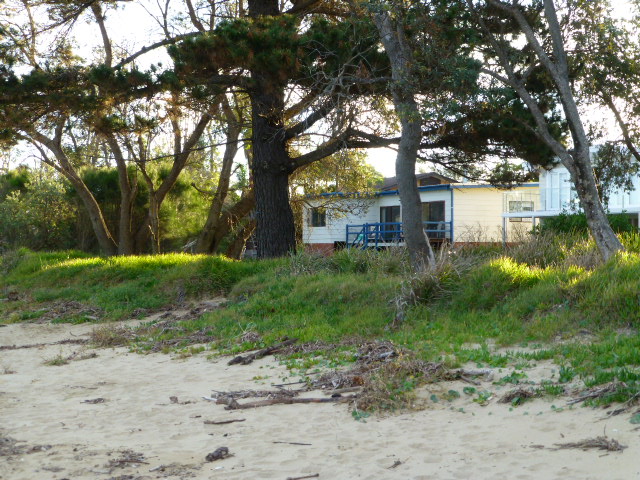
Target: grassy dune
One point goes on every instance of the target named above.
(475, 307)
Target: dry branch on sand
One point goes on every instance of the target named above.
(598, 392)
(69, 341)
(232, 404)
(247, 359)
(599, 443)
(224, 422)
(518, 395)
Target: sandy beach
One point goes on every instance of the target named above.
(107, 414)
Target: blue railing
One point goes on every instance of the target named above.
(373, 235)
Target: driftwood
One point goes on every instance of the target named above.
(232, 404)
(295, 443)
(256, 393)
(600, 443)
(315, 475)
(247, 359)
(597, 392)
(518, 395)
(339, 391)
(68, 341)
(223, 422)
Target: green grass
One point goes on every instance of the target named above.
(352, 296)
(120, 285)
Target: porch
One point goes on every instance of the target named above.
(390, 234)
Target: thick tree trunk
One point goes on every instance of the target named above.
(275, 234)
(399, 54)
(271, 165)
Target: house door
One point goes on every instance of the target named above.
(433, 212)
(390, 215)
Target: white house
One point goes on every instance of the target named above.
(556, 195)
(452, 212)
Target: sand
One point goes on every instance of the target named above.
(59, 436)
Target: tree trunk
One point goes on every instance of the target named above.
(181, 154)
(579, 166)
(271, 165)
(230, 218)
(101, 231)
(577, 162)
(64, 166)
(271, 168)
(206, 238)
(237, 245)
(127, 197)
(275, 233)
(417, 242)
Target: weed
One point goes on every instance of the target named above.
(469, 390)
(111, 336)
(57, 361)
(551, 389)
(514, 378)
(452, 395)
(483, 397)
(566, 374)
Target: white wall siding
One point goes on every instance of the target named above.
(557, 193)
(335, 230)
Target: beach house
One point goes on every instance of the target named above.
(453, 212)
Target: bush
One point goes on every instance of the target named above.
(577, 223)
(40, 218)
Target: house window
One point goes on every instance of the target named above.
(425, 182)
(390, 218)
(520, 206)
(318, 217)
(433, 211)
(433, 214)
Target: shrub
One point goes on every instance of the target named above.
(577, 223)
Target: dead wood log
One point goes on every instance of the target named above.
(247, 359)
(340, 391)
(598, 392)
(234, 405)
(223, 422)
(315, 475)
(295, 443)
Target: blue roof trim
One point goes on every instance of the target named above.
(426, 188)
(522, 185)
